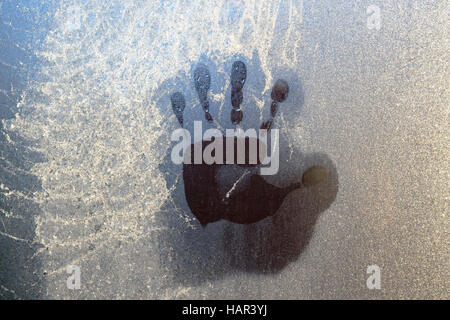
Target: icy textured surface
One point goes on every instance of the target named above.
(86, 131)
